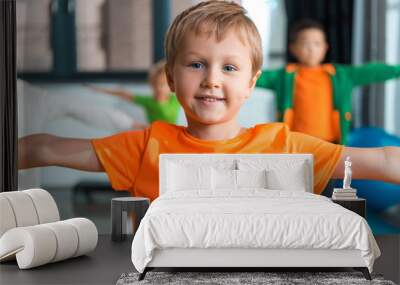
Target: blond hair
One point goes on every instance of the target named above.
(214, 18)
(157, 70)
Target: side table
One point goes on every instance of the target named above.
(358, 205)
(120, 207)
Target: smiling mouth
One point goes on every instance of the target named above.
(209, 98)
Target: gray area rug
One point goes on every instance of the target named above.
(229, 278)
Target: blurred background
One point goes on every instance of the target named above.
(63, 45)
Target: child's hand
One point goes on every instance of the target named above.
(93, 87)
(96, 88)
(123, 94)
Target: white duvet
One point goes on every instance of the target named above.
(252, 218)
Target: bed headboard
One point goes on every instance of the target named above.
(238, 161)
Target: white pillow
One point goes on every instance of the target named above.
(282, 174)
(251, 178)
(224, 179)
(293, 179)
(181, 177)
(236, 179)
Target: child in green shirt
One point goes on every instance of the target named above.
(301, 87)
(162, 106)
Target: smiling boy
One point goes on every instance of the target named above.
(213, 61)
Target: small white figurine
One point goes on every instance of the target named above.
(347, 174)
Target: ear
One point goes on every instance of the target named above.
(253, 82)
(254, 79)
(326, 49)
(170, 79)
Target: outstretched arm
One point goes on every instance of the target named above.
(49, 150)
(381, 163)
(125, 95)
(372, 73)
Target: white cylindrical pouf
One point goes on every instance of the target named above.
(23, 208)
(67, 239)
(33, 246)
(7, 218)
(87, 234)
(45, 205)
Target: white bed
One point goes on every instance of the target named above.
(244, 210)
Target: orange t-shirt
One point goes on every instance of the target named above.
(131, 158)
(313, 111)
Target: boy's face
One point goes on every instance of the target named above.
(310, 47)
(212, 79)
(160, 88)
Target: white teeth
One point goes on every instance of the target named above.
(210, 99)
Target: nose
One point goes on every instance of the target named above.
(309, 48)
(212, 78)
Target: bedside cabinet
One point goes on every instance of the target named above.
(356, 205)
(120, 208)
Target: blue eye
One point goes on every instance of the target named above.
(196, 65)
(229, 68)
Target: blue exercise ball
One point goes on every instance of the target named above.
(380, 195)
